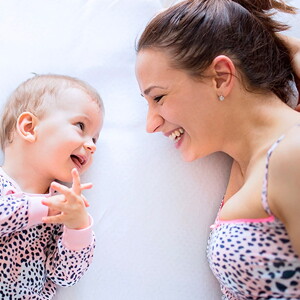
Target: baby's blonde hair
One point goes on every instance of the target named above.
(31, 96)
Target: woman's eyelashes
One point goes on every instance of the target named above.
(158, 98)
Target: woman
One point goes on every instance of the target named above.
(218, 77)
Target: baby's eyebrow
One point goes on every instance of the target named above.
(82, 116)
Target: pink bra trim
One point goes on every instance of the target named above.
(262, 220)
(267, 219)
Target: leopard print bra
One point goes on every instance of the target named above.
(254, 258)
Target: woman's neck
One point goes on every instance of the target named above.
(255, 126)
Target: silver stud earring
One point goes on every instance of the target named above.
(221, 98)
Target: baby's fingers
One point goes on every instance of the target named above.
(57, 186)
(70, 196)
(86, 186)
(53, 204)
(61, 188)
(58, 219)
(86, 203)
(76, 186)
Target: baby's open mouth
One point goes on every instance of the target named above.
(78, 160)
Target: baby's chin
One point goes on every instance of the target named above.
(67, 179)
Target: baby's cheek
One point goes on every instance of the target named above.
(88, 164)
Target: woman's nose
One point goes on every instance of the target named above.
(154, 121)
(90, 146)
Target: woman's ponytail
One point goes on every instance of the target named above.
(264, 9)
(266, 5)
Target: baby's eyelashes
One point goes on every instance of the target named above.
(86, 130)
(80, 125)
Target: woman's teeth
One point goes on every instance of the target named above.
(176, 135)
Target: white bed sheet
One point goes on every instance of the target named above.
(151, 210)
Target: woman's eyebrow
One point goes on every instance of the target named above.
(148, 90)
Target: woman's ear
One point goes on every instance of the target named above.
(26, 126)
(224, 74)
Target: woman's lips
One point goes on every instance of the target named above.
(176, 136)
(179, 141)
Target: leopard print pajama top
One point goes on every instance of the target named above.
(36, 257)
(254, 258)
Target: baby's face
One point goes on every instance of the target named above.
(67, 134)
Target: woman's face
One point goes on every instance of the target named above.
(180, 107)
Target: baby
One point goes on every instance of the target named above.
(49, 129)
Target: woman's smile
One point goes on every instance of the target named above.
(176, 136)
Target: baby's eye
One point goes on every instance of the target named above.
(80, 125)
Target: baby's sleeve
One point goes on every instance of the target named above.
(71, 255)
(20, 211)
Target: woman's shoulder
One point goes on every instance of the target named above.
(284, 161)
(284, 172)
(286, 151)
(284, 184)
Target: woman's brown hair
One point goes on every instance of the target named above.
(194, 32)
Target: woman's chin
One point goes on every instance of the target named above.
(188, 157)
(191, 156)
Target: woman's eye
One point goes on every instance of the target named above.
(80, 125)
(157, 99)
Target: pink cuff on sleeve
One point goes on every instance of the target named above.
(77, 239)
(36, 211)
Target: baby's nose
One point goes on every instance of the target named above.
(90, 146)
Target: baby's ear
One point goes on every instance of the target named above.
(26, 125)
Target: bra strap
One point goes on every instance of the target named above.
(264, 195)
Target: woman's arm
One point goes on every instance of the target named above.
(293, 45)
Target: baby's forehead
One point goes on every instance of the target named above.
(75, 94)
(75, 105)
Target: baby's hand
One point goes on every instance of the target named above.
(68, 208)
